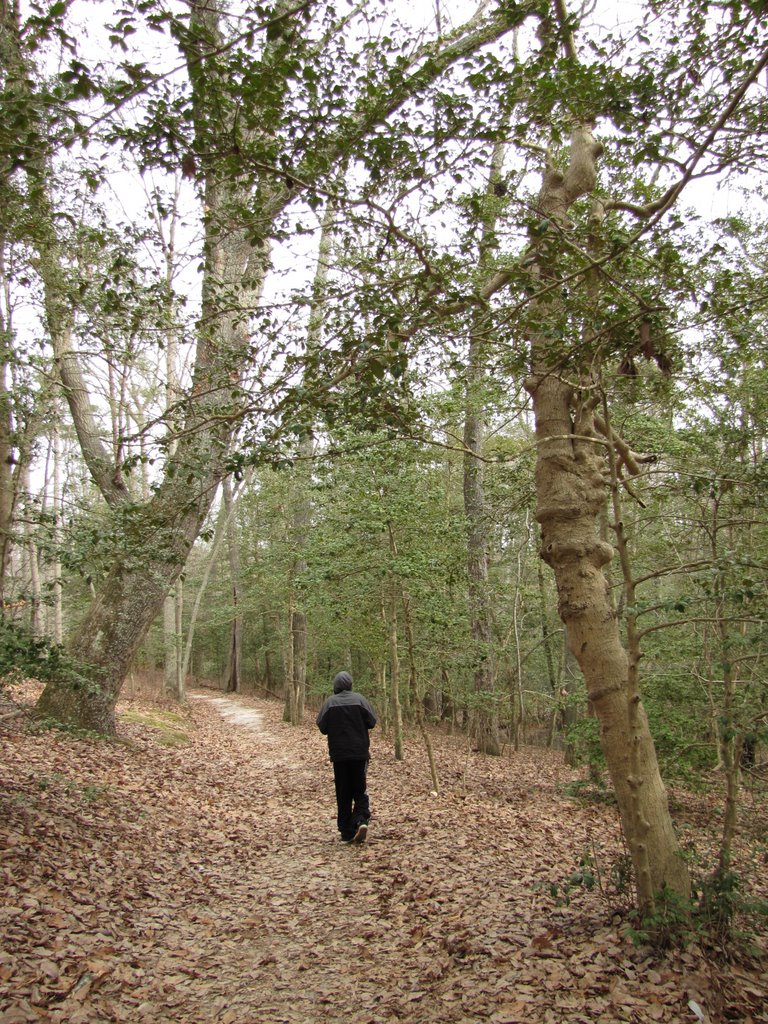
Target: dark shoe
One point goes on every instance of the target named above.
(362, 833)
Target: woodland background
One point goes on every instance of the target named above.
(430, 344)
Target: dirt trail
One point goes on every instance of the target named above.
(234, 712)
(205, 884)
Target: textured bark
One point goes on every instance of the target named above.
(173, 679)
(159, 534)
(571, 493)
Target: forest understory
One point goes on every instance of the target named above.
(191, 873)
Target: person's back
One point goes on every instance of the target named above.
(346, 718)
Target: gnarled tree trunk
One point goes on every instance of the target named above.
(571, 493)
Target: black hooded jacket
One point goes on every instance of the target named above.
(345, 719)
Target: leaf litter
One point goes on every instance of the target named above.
(203, 882)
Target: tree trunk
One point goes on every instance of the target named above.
(485, 716)
(7, 485)
(173, 679)
(413, 686)
(232, 677)
(220, 531)
(571, 496)
(299, 683)
(729, 733)
(56, 567)
(394, 678)
(289, 712)
(302, 517)
(175, 676)
(302, 508)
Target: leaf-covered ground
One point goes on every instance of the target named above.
(192, 873)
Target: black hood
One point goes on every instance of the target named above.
(343, 681)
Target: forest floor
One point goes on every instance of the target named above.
(191, 872)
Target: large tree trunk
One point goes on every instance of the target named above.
(118, 619)
(571, 494)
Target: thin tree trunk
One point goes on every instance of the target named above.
(551, 676)
(730, 741)
(394, 677)
(302, 511)
(381, 672)
(175, 678)
(571, 683)
(7, 484)
(485, 717)
(381, 680)
(299, 639)
(296, 681)
(413, 685)
(219, 533)
(394, 662)
(289, 710)
(15, 435)
(57, 589)
(521, 717)
(35, 616)
(173, 681)
(232, 678)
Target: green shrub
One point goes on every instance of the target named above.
(24, 656)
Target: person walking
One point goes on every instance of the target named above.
(346, 719)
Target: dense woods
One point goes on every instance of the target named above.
(426, 343)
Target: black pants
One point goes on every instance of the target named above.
(351, 797)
